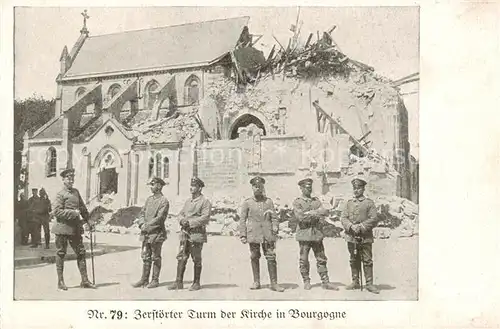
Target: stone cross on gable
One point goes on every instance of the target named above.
(85, 17)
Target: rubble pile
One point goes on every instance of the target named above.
(398, 217)
(178, 127)
(224, 219)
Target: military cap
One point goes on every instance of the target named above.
(305, 181)
(34, 189)
(156, 180)
(257, 180)
(358, 180)
(197, 182)
(67, 172)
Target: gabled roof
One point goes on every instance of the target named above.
(52, 129)
(177, 46)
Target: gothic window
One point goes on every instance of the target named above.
(151, 167)
(80, 92)
(192, 90)
(113, 90)
(151, 95)
(51, 162)
(165, 167)
(158, 165)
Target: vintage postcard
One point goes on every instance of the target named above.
(215, 165)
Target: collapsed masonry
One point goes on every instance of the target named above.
(350, 119)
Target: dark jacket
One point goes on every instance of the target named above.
(361, 212)
(254, 225)
(309, 227)
(68, 207)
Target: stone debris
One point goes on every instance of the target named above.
(398, 217)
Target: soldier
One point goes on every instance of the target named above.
(153, 233)
(35, 208)
(358, 219)
(259, 227)
(70, 213)
(194, 218)
(46, 209)
(22, 218)
(308, 211)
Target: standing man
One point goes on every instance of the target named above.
(358, 219)
(45, 210)
(194, 218)
(259, 227)
(70, 213)
(22, 218)
(35, 209)
(308, 211)
(153, 233)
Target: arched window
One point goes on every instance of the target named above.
(151, 94)
(166, 168)
(192, 90)
(80, 92)
(51, 162)
(151, 167)
(113, 90)
(158, 165)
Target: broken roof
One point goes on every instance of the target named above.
(167, 47)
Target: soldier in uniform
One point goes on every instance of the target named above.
(35, 207)
(153, 233)
(259, 226)
(309, 211)
(22, 218)
(44, 214)
(358, 219)
(70, 213)
(194, 218)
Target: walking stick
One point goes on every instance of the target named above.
(92, 253)
(359, 256)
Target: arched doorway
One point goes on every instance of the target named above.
(243, 121)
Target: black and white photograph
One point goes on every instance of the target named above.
(216, 153)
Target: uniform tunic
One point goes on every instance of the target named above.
(359, 211)
(197, 213)
(309, 226)
(152, 219)
(68, 206)
(256, 227)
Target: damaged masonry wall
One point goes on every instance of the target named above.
(363, 104)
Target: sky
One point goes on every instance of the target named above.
(386, 38)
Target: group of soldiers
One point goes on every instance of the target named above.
(33, 215)
(258, 227)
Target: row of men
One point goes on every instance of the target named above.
(258, 227)
(33, 215)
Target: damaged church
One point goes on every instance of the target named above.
(200, 99)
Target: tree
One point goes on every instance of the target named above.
(29, 115)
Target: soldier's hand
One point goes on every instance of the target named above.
(243, 239)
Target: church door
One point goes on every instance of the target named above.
(108, 179)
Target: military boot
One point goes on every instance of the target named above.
(256, 274)
(196, 281)
(82, 266)
(156, 275)
(325, 282)
(273, 275)
(178, 284)
(146, 269)
(369, 279)
(60, 277)
(355, 279)
(307, 285)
